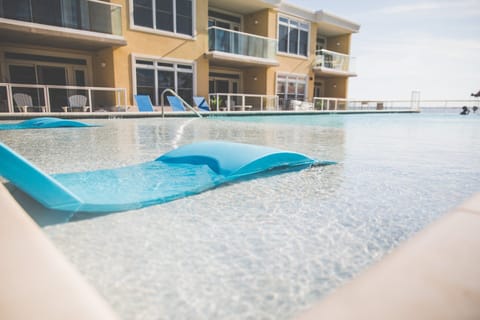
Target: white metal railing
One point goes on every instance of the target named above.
(44, 97)
(336, 104)
(242, 102)
(240, 43)
(5, 97)
(339, 104)
(448, 106)
(334, 61)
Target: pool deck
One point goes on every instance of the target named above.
(129, 114)
(433, 275)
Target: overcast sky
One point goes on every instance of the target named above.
(432, 46)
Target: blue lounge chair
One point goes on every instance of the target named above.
(201, 103)
(144, 103)
(175, 103)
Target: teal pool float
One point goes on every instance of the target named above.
(44, 123)
(185, 171)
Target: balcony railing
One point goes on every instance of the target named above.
(52, 98)
(88, 15)
(334, 61)
(239, 43)
(242, 102)
(340, 104)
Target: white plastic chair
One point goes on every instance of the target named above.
(24, 102)
(77, 101)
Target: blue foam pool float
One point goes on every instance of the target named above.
(185, 171)
(44, 123)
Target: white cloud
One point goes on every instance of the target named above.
(441, 68)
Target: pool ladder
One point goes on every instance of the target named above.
(162, 100)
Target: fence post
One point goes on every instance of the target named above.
(46, 96)
(9, 98)
(415, 100)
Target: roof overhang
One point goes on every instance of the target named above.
(328, 24)
(244, 6)
(332, 25)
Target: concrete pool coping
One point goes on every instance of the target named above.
(433, 275)
(185, 114)
(37, 281)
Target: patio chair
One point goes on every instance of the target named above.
(201, 103)
(175, 103)
(77, 101)
(24, 102)
(144, 103)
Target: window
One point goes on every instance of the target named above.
(290, 87)
(166, 15)
(154, 76)
(293, 36)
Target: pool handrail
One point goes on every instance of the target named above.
(162, 101)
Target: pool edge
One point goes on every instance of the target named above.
(37, 280)
(212, 114)
(433, 275)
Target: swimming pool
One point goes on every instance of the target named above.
(265, 248)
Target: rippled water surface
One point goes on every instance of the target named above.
(261, 249)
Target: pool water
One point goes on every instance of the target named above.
(261, 249)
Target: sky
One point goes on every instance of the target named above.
(430, 46)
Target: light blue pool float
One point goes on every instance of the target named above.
(185, 171)
(44, 123)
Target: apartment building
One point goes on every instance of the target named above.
(111, 51)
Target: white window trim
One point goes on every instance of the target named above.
(288, 75)
(6, 62)
(300, 21)
(135, 57)
(239, 73)
(174, 34)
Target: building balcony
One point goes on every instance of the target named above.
(65, 23)
(334, 64)
(238, 48)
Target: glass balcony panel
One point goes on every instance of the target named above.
(334, 61)
(89, 15)
(235, 42)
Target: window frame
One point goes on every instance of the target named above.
(293, 24)
(154, 29)
(160, 64)
(288, 78)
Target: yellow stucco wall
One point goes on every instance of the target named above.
(103, 68)
(150, 43)
(168, 46)
(335, 87)
(255, 80)
(257, 23)
(339, 44)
